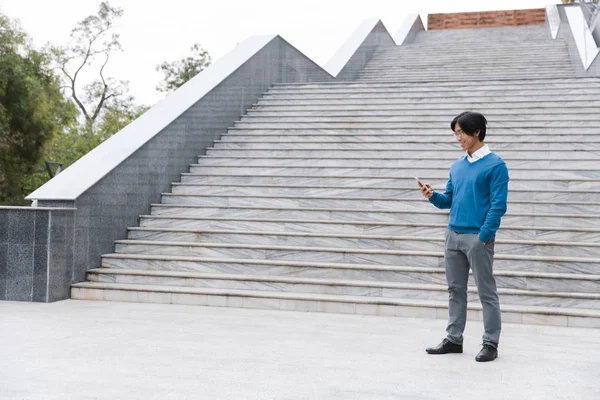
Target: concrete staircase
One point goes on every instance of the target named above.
(309, 203)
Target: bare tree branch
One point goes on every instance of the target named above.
(91, 37)
(103, 97)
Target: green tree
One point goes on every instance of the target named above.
(117, 116)
(176, 73)
(70, 144)
(32, 109)
(92, 42)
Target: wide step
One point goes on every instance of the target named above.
(308, 202)
(361, 305)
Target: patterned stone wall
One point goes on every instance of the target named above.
(487, 19)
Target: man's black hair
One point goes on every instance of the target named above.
(470, 122)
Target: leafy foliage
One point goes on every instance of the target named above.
(32, 108)
(37, 121)
(177, 73)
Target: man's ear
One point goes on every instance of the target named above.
(476, 134)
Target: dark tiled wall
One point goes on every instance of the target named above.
(26, 236)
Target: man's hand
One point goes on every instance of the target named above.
(426, 190)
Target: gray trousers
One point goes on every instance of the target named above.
(464, 251)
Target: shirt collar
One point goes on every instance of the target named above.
(479, 154)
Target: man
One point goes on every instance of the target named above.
(476, 195)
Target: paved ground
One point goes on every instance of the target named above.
(80, 350)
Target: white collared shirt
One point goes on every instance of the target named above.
(479, 154)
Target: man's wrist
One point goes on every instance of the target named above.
(485, 236)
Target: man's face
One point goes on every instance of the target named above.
(466, 142)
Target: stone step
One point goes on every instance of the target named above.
(434, 131)
(472, 51)
(414, 276)
(477, 67)
(424, 216)
(432, 87)
(305, 239)
(435, 180)
(322, 303)
(414, 112)
(455, 97)
(439, 134)
(489, 61)
(477, 42)
(362, 227)
(512, 162)
(572, 107)
(532, 35)
(479, 39)
(525, 83)
(419, 258)
(492, 119)
(434, 136)
(448, 55)
(408, 154)
(436, 77)
(407, 75)
(384, 193)
(524, 280)
(419, 104)
(410, 200)
(379, 172)
(354, 287)
(496, 144)
(472, 48)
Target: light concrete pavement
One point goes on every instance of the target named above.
(85, 350)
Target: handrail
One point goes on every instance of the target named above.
(586, 44)
(553, 18)
(98, 163)
(408, 30)
(92, 167)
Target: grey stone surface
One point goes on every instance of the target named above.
(62, 253)
(20, 272)
(21, 227)
(30, 249)
(378, 38)
(4, 227)
(152, 351)
(40, 273)
(3, 269)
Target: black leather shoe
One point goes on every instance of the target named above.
(487, 353)
(445, 347)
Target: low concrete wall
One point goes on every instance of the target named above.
(351, 59)
(409, 29)
(565, 32)
(36, 251)
(118, 181)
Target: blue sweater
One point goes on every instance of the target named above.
(476, 196)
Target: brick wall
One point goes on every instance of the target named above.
(487, 19)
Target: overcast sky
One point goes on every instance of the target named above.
(157, 31)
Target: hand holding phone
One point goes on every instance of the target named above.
(426, 190)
